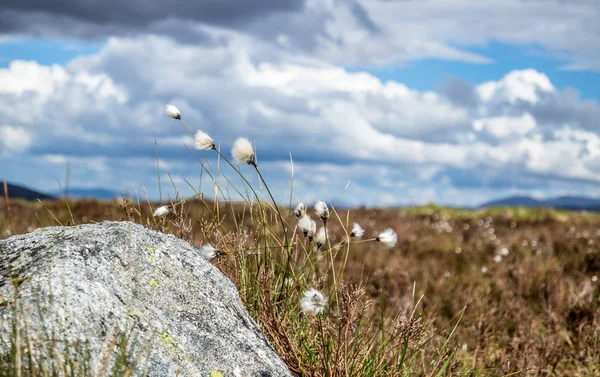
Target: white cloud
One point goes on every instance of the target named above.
(22, 76)
(14, 139)
(505, 127)
(306, 80)
(46, 81)
(563, 28)
(525, 85)
(106, 110)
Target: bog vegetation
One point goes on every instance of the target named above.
(424, 291)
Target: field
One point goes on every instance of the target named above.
(487, 293)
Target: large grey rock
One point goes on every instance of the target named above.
(89, 278)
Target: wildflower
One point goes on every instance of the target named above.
(484, 270)
(322, 211)
(357, 231)
(388, 237)
(172, 112)
(321, 237)
(243, 151)
(313, 229)
(203, 141)
(209, 252)
(313, 302)
(504, 251)
(300, 210)
(162, 211)
(498, 258)
(305, 225)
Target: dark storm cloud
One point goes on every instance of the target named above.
(143, 12)
(137, 15)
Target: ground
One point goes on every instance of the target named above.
(524, 283)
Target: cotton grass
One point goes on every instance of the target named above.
(388, 238)
(162, 211)
(203, 142)
(322, 211)
(243, 152)
(209, 252)
(313, 302)
(172, 112)
(357, 231)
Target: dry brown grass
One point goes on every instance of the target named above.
(534, 312)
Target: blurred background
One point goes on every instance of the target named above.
(452, 102)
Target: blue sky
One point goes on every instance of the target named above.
(446, 101)
(428, 74)
(44, 51)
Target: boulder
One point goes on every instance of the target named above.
(82, 282)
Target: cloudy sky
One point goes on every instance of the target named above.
(447, 101)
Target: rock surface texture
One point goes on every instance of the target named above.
(86, 280)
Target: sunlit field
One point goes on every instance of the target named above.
(488, 293)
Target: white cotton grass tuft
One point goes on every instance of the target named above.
(357, 231)
(300, 210)
(172, 112)
(243, 151)
(305, 225)
(388, 237)
(209, 252)
(321, 237)
(313, 229)
(322, 210)
(203, 142)
(162, 211)
(313, 302)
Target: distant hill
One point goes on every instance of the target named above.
(20, 192)
(573, 203)
(97, 193)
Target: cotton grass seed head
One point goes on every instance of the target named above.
(209, 252)
(305, 225)
(243, 151)
(300, 210)
(203, 142)
(357, 231)
(321, 237)
(322, 211)
(172, 112)
(313, 302)
(313, 229)
(388, 237)
(162, 211)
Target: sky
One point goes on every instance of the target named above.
(377, 102)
